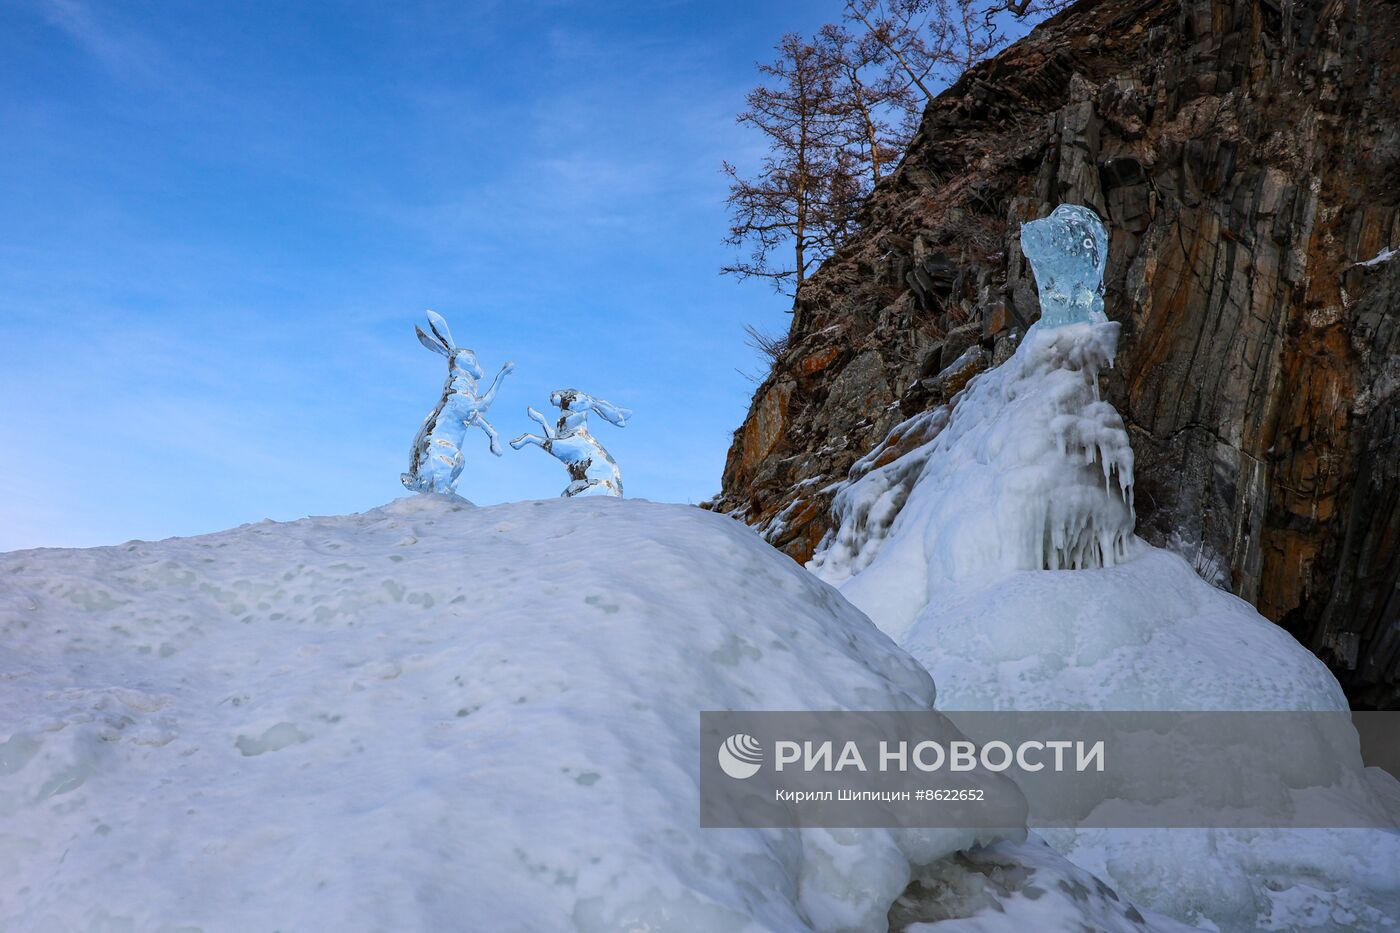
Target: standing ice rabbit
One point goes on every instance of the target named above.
(435, 462)
(591, 470)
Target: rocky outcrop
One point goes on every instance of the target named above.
(1246, 155)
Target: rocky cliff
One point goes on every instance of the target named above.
(1246, 155)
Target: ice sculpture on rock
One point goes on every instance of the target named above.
(1068, 252)
(592, 471)
(1029, 469)
(954, 547)
(435, 462)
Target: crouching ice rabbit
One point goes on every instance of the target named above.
(435, 462)
(592, 472)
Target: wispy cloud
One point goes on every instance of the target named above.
(118, 48)
(227, 237)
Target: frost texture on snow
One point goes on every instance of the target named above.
(955, 576)
(592, 470)
(1068, 252)
(1033, 471)
(435, 462)
(421, 714)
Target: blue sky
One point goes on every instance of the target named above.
(220, 222)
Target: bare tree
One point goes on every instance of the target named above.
(837, 111)
(935, 41)
(960, 34)
(801, 194)
(1026, 8)
(898, 27)
(873, 98)
(771, 346)
(844, 194)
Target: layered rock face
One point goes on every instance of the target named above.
(1246, 156)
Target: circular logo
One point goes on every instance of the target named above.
(740, 756)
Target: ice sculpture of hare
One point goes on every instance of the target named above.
(435, 462)
(1068, 252)
(591, 470)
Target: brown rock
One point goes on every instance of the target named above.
(996, 319)
(818, 361)
(762, 431)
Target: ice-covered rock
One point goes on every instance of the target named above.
(1026, 887)
(1033, 473)
(867, 502)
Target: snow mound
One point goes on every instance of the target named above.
(1147, 634)
(1033, 473)
(425, 713)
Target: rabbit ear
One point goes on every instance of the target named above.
(611, 412)
(439, 328)
(432, 343)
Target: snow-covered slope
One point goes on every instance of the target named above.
(431, 717)
(1147, 634)
(1032, 473)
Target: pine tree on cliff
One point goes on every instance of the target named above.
(801, 193)
(836, 112)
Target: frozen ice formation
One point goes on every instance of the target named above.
(435, 462)
(951, 548)
(866, 504)
(1032, 471)
(1067, 251)
(592, 470)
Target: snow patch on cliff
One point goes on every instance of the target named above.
(865, 505)
(1385, 255)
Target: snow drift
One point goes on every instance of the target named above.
(434, 716)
